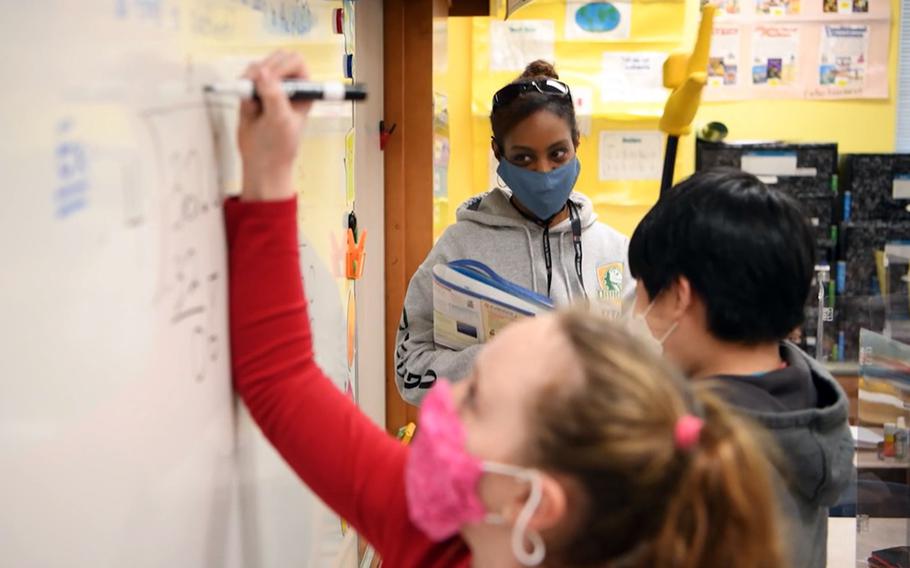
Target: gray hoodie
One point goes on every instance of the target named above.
(489, 229)
(806, 412)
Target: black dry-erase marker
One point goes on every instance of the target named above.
(295, 89)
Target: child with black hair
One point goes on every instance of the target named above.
(725, 267)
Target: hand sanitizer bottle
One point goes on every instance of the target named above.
(900, 440)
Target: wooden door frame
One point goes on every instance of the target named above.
(408, 163)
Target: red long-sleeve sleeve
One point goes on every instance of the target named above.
(351, 464)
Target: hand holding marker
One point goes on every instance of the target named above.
(304, 90)
(272, 118)
(296, 90)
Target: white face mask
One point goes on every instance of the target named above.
(637, 326)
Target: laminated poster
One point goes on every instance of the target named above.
(598, 21)
(724, 7)
(843, 53)
(633, 76)
(514, 44)
(630, 155)
(845, 6)
(777, 8)
(775, 51)
(724, 59)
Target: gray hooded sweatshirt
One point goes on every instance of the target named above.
(489, 229)
(805, 410)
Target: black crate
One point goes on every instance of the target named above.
(815, 194)
(802, 186)
(870, 180)
(820, 210)
(856, 250)
(822, 157)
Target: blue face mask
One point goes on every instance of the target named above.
(544, 194)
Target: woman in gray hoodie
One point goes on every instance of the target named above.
(532, 230)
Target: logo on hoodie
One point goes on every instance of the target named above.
(609, 281)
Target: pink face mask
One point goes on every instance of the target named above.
(441, 479)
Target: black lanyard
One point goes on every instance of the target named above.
(576, 244)
(575, 219)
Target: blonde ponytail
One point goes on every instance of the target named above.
(723, 511)
(648, 500)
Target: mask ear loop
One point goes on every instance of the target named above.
(666, 334)
(520, 531)
(647, 311)
(500, 183)
(669, 332)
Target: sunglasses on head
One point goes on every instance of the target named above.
(550, 87)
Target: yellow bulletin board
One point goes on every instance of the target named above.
(856, 125)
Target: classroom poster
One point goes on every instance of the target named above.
(775, 52)
(842, 55)
(845, 6)
(598, 21)
(630, 155)
(724, 60)
(725, 8)
(777, 8)
(514, 44)
(851, 61)
(633, 76)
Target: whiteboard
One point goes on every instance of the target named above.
(121, 442)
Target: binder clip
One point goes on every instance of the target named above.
(347, 62)
(354, 254)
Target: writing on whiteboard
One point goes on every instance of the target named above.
(156, 12)
(190, 284)
(285, 16)
(146, 9)
(71, 192)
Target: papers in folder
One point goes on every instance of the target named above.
(471, 303)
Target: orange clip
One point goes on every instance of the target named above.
(353, 257)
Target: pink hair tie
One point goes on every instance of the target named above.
(687, 431)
